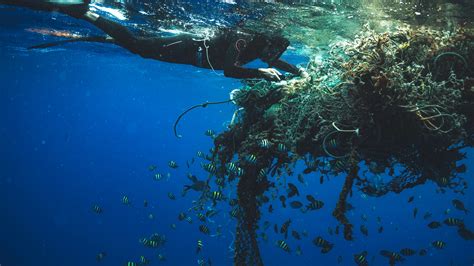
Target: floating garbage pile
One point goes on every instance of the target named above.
(400, 104)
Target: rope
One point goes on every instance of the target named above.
(203, 105)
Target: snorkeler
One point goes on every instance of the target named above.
(227, 49)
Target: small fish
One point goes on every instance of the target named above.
(131, 263)
(459, 205)
(438, 244)
(284, 228)
(200, 245)
(465, 233)
(380, 230)
(296, 235)
(410, 199)
(173, 164)
(264, 143)
(125, 200)
(310, 198)
(321, 242)
(100, 256)
(189, 220)
(339, 259)
(204, 229)
(361, 258)
(152, 168)
(336, 230)
(209, 167)
(235, 212)
(321, 180)
(364, 230)
(264, 236)
(173, 226)
(210, 133)
(392, 256)
(447, 211)
(217, 195)
(415, 211)
(364, 217)
(316, 205)
(145, 203)
(407, 252)
(233, 202)
(201, 217)
(379, 220)
(292, 190)
(200, 154)
(270, 208)
(211, 212)
(171, 196)
(144, 260)
(161, 257)
(454, 222)
(282, 147)
(262, 174)
(427, 215)
(422, 252)
(434, 225)
(232, 167)
(157, 177)
(97, 209)
(283, 201)
(298, 251)
(252, 159)
(301, 179)
(296, 204)
(275, 228)
(182, 216)
(283, 245)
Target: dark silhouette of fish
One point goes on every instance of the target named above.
(459, 205)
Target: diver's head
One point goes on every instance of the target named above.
(274, 48)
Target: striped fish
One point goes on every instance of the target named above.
(264, 143)
(125, 200)
(438, 244)
(283, 245)
(200, 245)
(204, 229)
(209, 167)
(282, 147)
(97, 209)
(173, 164)
(252, 159)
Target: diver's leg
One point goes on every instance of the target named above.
(118, 32)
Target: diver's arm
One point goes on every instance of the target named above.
(233, 69)
(282, 65)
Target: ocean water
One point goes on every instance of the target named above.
(81, 123)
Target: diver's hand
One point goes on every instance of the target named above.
(270, 73)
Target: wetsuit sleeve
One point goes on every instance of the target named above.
(232, 67)
(282, 65)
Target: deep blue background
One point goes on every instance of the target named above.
(81, 123)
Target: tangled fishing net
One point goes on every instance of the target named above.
(399, 104)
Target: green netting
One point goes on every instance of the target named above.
(397, 100)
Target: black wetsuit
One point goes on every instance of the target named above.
(227, 50)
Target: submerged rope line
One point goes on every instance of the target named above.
(203, 105)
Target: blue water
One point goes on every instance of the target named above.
(81, 123)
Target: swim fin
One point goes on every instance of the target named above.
(74, 8)
(101, 39)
